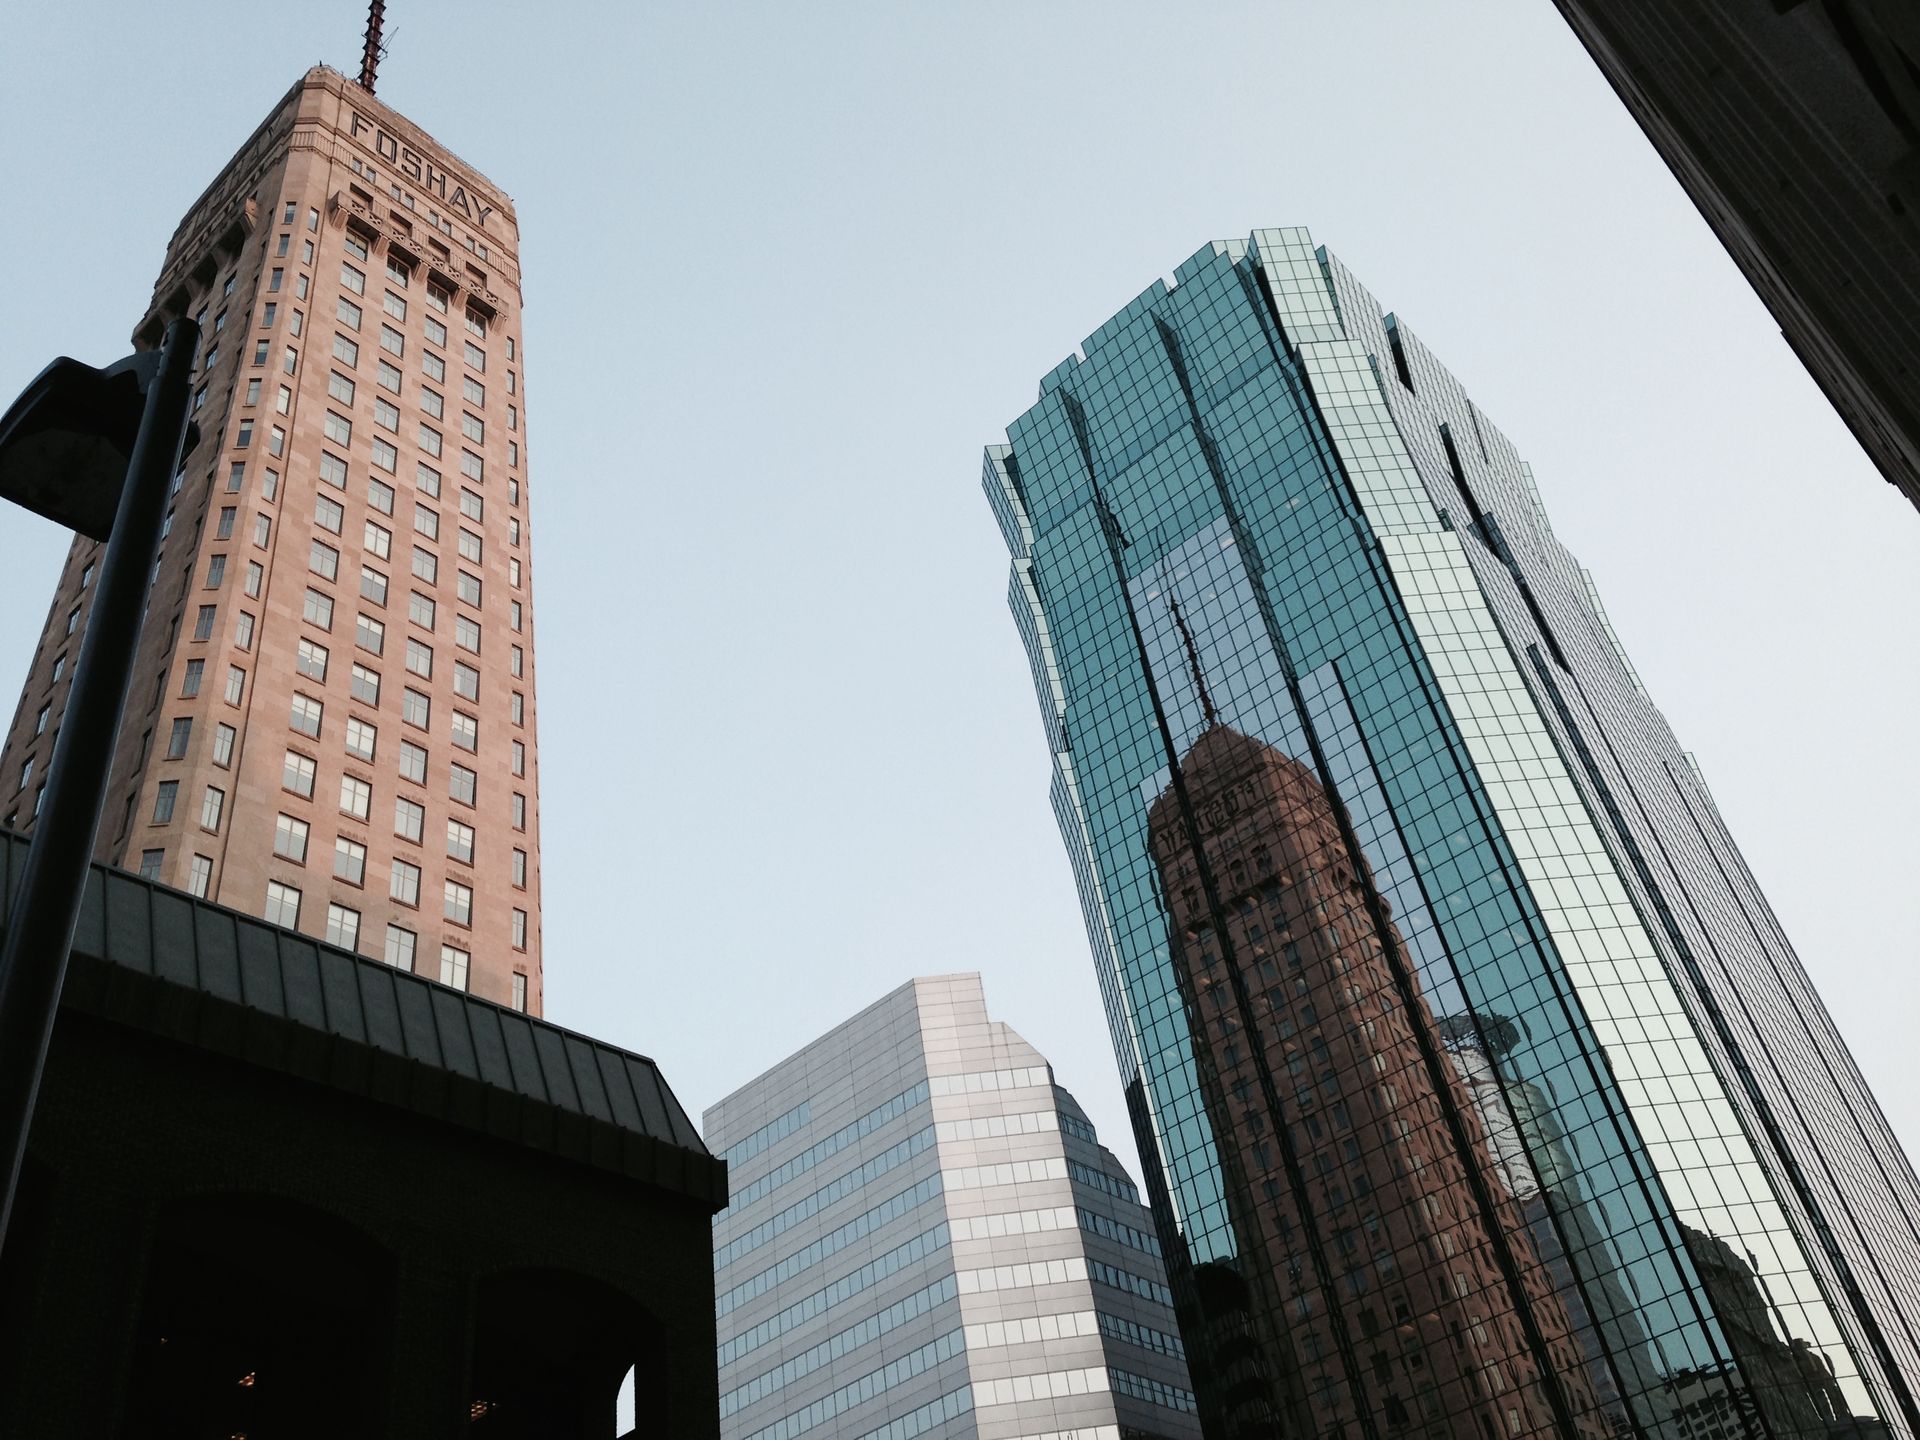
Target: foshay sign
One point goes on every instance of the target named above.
(420, 170)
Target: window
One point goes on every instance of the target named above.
(277, 441)
(469, 545)
(513, 417)
(420, 609)
(343, 927)
(338, 428)
(377, 541)
(163, 801)
(270, 313)
(413, 762)
(519, 988)
(461, 783)
(426, 520)
(453, 966)
(460, 841)
(397, 271)
(262, 530)
(360, 738)
(513, 572)
(177, 739)
(436, 333)
(519, 811)
(340, 387)
(517, 661)
(190, 681)
(420, 658)
(466, 633)
(426, 477)
(26, 773)
(40, 720)
(400, 947)
(200, 876)
(466, 731)
(435, 367)
(353, 280)
(290, 839)
(260, 351)
(298, 322)
(403, 884)
(356, 796)
(333, 470)
(380, 496)
(415, 708)
(432, 403)
(467, 587)
(519, 757)
(475, 392)
(429, 439)
(471, 505)
(311, 660)
(223, 738)
(202, 622)
(519, 869)
(394, 305)
(346, 351)
(297, 774)
(347, 312)
(283, 905)
(213, 803)
(328, 514)
(386, 414)
(373, 585)
(520, 943)
(216, 571)
(466, 680)
(436, 298)
(473, 428)
(223, 528)
(306, 713)
(392, 341)
(476, 324)
(385, 456)
(243, 631)
(236, 684)
(269, 484)
(349, 861)
(513, 495)
(516, 616)
(366, 685)
(323, 560)
(256, 579)
(387, 376)
(426, 565)
(355, 245)
(409, 819)
(476, 357)
(459, 903)
(472, 466)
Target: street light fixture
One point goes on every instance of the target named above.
(96, 451)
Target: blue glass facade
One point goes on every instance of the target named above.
(1480, 1093)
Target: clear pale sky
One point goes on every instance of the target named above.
(790, 266)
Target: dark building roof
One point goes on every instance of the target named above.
(161, 961)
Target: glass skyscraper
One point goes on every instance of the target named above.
(1479, 1092)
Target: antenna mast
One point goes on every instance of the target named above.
(374, 48)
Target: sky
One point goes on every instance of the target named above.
(789, 267)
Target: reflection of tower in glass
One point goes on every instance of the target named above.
(1519, 1123)
(1381, 1248)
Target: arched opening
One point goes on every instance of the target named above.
(260, 1317)
(551, 1350)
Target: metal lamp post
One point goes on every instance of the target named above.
(96, 451)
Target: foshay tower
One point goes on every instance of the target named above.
(332, 719)
(1392, 1265)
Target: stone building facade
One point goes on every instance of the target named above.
(332, 722)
